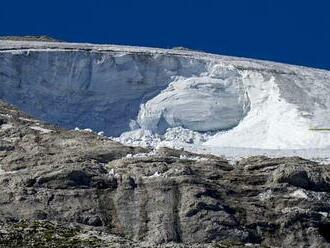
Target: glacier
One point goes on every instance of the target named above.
(154, 97)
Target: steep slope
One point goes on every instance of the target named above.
(75, 189)
(231, 102)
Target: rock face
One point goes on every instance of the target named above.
(77, 189)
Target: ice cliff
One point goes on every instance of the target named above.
(235, 102)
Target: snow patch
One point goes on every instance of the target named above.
(324, 214)
(299, 194)
(192, 158)
(87, 130)
(6, 126)
(27, 119)
(100, 133)
(156, 174)
(41, 130)
(113, 173)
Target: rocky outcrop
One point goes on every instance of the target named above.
(60, 188)
(43, 38)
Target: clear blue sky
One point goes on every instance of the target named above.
(292, 31)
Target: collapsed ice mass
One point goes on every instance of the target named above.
(121, 90)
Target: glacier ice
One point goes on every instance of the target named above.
(150, 97)
(197, 103)
(273, 121)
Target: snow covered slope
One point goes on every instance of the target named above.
(148, 95)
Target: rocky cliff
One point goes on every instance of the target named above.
(64, 188)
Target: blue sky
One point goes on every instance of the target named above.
(291, 31)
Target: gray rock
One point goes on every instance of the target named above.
(62, 188)
(29, 38)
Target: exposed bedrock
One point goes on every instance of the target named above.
(79, 179)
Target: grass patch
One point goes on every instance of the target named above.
(320, 129)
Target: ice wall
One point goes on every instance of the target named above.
(104, 91)
(242, 102)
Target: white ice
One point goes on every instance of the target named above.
(155, 97)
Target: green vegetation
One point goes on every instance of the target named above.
(42, 234)
(320, 129)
